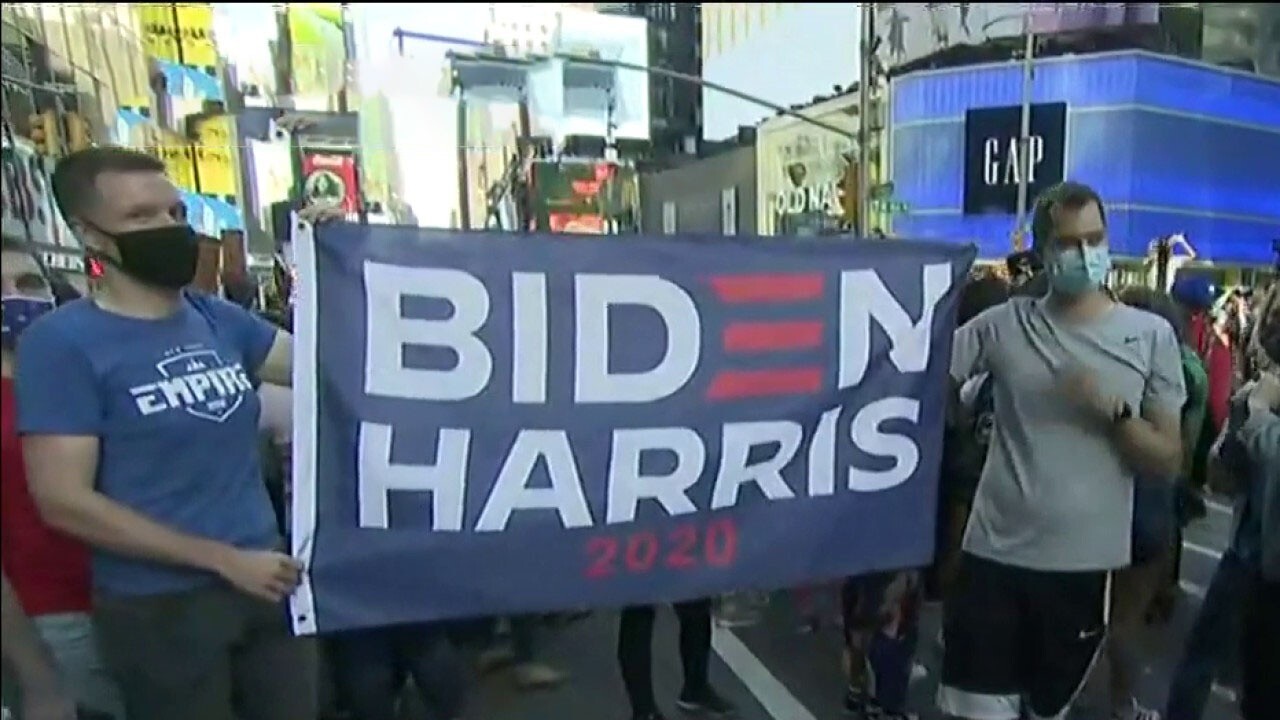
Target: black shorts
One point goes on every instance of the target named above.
(1013, 634)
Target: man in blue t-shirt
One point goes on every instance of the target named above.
(139, 419)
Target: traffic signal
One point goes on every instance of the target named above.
(849, 195)
(44, 132)
(79, 133)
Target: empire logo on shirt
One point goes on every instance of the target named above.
(197, 381)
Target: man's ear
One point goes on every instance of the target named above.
(80, 231)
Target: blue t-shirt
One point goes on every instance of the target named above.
(174, 406)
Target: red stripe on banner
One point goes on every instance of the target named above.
(739, 384)
(766, 336)
(769, 288)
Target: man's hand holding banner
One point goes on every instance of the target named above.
(497, 424)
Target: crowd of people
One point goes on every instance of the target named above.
(145, 494)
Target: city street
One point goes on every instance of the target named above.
(774, 671)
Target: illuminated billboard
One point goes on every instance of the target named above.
(1164, 160)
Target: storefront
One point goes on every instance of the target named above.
(1172, 147)
(802, 170)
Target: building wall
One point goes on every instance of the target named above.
(94, 48)
(785, 53)
(698, 194)
(1164, 159)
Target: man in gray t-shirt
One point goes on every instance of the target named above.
(1056, 492)
(1088, 395)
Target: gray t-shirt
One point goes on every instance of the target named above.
(1055, 493)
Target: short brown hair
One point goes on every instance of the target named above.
(75, 177)
(1069, 195)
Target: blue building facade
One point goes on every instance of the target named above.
(1172, 147)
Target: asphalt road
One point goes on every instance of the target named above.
(775, 671)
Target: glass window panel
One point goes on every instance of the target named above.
(124, 65)
(25, 16)
(55, 32)
(87, 95)
(76, 24)
(108, 103)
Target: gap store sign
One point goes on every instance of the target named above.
(1172, 147)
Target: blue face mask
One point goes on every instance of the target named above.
(1076, 271)
(17, 312)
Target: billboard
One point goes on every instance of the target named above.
(801, 169)
(329, 178)
(609, 37)
(582, 198)
(910, 31)
(753, 47)
(29, 211)
(567, 99)
(993, 165)
(1164, 160)
(318, 54)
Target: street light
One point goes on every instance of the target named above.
(485, 64)
(401, 35)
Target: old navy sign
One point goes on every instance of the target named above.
(993, 155)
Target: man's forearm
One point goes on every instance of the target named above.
(103, 523)
(25, 653)
(1148, 450)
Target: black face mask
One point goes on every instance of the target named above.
(163, 257)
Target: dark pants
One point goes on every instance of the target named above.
(206, 654)
(1211, 643)
(524, 630)
(1260, 652)
(635, 651)
(373, 665)
(881, 614)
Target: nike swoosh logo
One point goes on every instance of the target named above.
(1086, 634)
(1131, 339)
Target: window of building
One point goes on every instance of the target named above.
(729, 211)
(709, 28)
(53, 21)
(80, 20)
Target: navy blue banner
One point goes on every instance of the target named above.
(494, 424)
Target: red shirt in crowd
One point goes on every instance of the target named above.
(48, 570)
(1219, 364)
